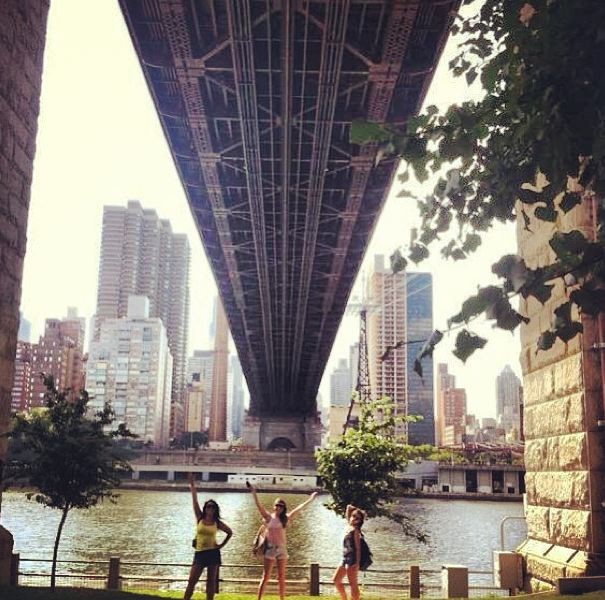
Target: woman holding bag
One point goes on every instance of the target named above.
(275, 538)
(207, 550)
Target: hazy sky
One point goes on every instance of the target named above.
(100, 142)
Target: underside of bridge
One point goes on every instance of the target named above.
(256, 98)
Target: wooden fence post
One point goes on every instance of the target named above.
(314, 579)
(14, 573)
(113, 577)
(414, 581)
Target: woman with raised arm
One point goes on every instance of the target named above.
(351, 553)
(275, 550)
(207, 550)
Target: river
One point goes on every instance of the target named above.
(157, 527)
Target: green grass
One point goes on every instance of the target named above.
(31, 593)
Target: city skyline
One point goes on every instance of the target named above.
(139, 167)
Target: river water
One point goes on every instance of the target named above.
(157, 527)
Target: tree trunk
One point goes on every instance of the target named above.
(56, 548)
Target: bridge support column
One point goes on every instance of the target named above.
(563, 425)
(300, 434)
(22, 38)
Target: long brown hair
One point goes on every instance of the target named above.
(283, 515)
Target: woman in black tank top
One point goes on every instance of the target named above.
(351, 554)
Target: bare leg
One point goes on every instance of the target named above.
(194, 575)
(211, 574)
(281, 577)
(267, 568)
(352, 577)
(337, 580)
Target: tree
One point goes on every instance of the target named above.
(66, 455)
(360, 468)
(532, 150)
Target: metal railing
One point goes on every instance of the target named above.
(407, 582)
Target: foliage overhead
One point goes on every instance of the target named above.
(360, 468)
(66, 454)
(532, 148)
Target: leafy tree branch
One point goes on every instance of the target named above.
(532, 148)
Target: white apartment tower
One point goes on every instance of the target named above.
(130, 366)
(141, 256)
(340, 384)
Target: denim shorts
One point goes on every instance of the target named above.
(274, 552)
(207, 558)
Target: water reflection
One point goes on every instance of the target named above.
(153, 527)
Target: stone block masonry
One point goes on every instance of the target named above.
(22, 37)
(564, 457)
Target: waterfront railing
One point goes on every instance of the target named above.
(410, 581)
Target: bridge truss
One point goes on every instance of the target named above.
(256, 99)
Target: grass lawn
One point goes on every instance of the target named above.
(32, 593)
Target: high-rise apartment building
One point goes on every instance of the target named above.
(236, 406)
(21, 393)
(443, 381)
(454, 409)
(60, 353)
(130, 366)
(340, 384)
(508, 400)
(401, 312)
(451, 422)
(141, 256)
(419, 327)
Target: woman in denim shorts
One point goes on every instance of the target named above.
(275, 550)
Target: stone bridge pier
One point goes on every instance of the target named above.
(22, 37)
(564, 427)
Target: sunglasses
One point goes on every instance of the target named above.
(279, 506)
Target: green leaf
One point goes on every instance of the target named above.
(512, 268)
(590, 301)
(418, 253)
(546, 340)
(546, 213)
(529, 196)
(398, 262)
(364, 131)
(570, 200)
(467, 343)
(472, 242)
(568, 246)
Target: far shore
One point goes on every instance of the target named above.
(220, 486)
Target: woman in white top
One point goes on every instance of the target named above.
(275, 550)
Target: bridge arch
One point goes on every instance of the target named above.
(281, 443)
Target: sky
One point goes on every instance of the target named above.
(100, 143)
